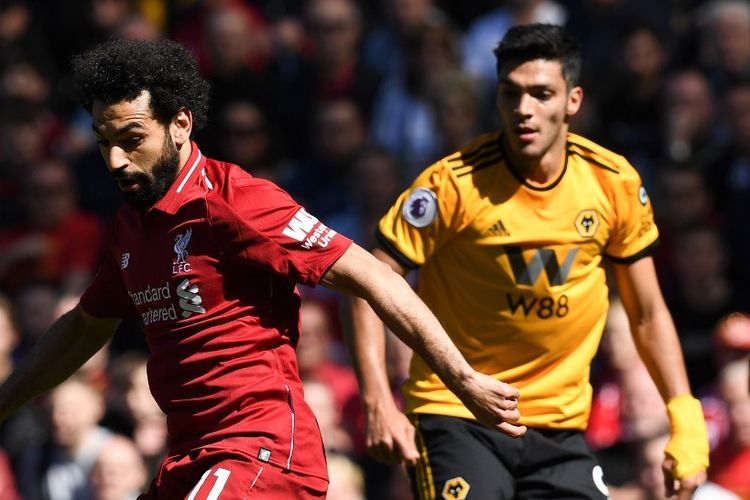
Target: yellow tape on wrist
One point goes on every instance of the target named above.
(688, 445)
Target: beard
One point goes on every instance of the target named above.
(155, 186)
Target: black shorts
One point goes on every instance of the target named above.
(463, 459)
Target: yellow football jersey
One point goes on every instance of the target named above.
(514, 272)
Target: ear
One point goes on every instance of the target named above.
(181, 126)
(575, 99)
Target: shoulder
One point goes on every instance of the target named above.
(231, 183)
(484, 151)
(604, 162)
(236, 195)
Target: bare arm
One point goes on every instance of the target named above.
(652, 327)
(658, 345)
(389, 434)
(69, 342)
(368, 345)
(360, 274)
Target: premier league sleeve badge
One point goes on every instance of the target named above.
(420, 208)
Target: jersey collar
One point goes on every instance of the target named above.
(520, 178)
(192, 171)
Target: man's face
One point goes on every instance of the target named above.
(534, 104)
(139, 151)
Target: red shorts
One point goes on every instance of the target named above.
(211, 474)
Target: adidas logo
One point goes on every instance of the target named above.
(498, 229)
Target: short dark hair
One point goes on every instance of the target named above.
(120, 69)
(541, 41)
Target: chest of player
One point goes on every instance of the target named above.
(558, 233)
(170, 266)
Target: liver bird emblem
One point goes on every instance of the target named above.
(180, 245)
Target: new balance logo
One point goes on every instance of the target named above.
(125, 260)
(542, 259)
(498, 229)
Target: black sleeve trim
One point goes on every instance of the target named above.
(391, 250)
(633, 258)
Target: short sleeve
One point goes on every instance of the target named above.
(107, 296)
(261, 225)
(429, 213)
(634, 232)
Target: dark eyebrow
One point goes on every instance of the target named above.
(126, 128)
(511, 83)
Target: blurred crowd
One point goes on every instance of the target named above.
(342, 102)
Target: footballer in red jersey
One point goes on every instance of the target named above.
(210, 271)
(207, 258)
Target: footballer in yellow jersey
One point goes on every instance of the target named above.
(510, 234)
(514, 272)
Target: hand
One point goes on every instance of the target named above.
(493, 403)
(686, 453)
(390, 436)
(682, 488)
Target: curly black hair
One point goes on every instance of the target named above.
(121, 69)
(541, 41)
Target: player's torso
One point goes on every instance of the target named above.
(523, 279)
(221, 336)
(170, 268)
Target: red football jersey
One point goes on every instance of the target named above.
(211, 271)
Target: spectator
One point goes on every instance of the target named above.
(56, 242)
(27, 428)
(484, 32)
(337, 70)
(21, 37)
(731, 460)
(249, 140)
(724, 32)
(703, 295)
(456, 101)
(402, 120)
(629, 107)
(692, 131)
(339, 132)
(132, 410)
(347, 481)
(374, 182)
(138, 26)
(119, 472)
(24, 83)
(321, 355)
(731, 176)
(732, 338)
(685, 200)
(234, 52)
(599, 24)
(321, 399)
(23, 133)
(386, 45)
(60, 470)
(36, 310)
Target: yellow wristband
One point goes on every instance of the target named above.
(688, 445)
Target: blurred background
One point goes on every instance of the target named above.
(342, 103)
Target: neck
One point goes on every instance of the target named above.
(540, 170)
(184, 152)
